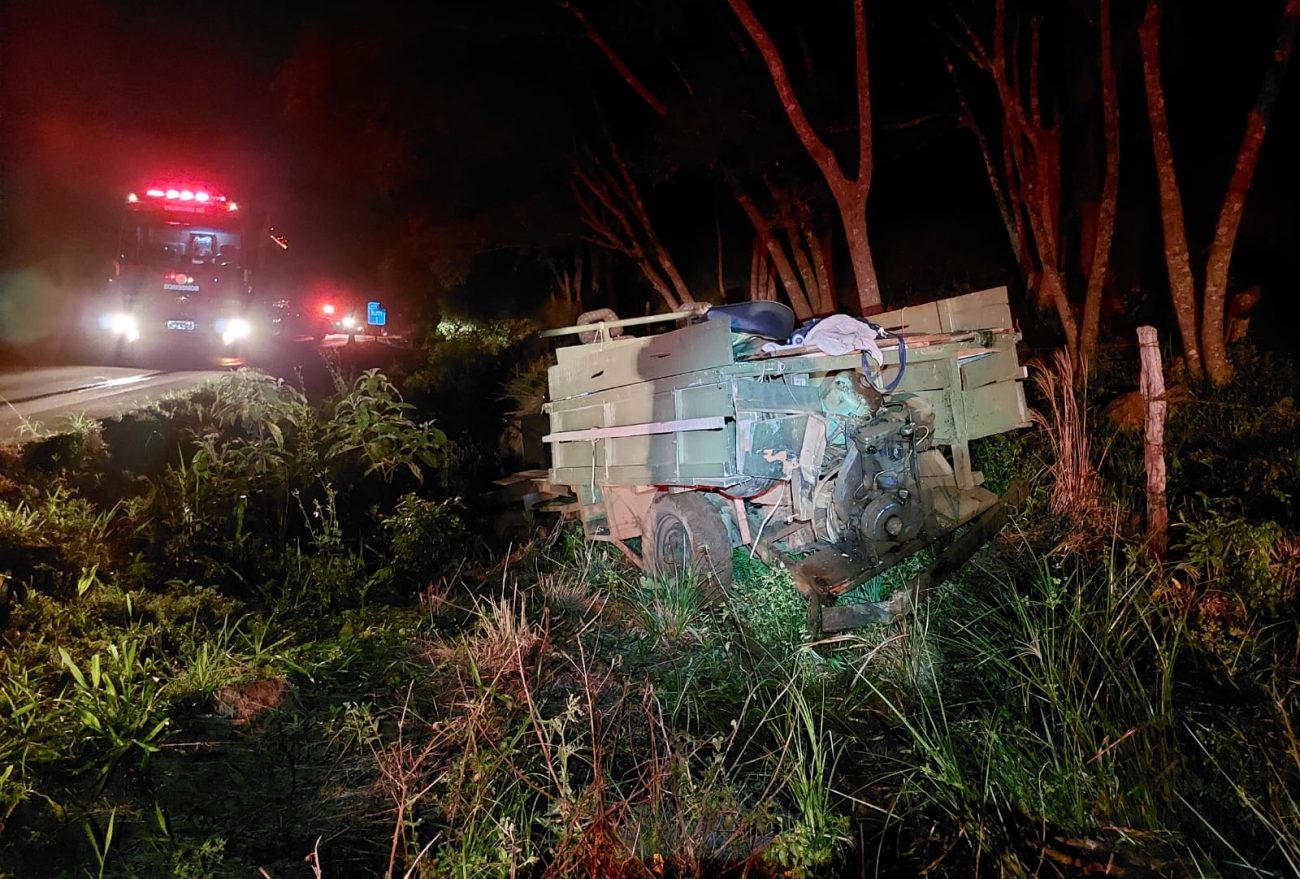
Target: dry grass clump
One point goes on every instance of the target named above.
(570, 596)
(500, 645)
(1076, 488)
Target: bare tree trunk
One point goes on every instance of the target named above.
(823, 300)
(661, 254)
(762, 283)
(1182, 286)
(568, 274)
(578, 275)
(853, 214)
(1217, 364)
(787, 211)
(850, 193)
(828, 265)
(1105, 232)
(1015, 232)
(763, 229)
(1239, 311)
(1153, 394)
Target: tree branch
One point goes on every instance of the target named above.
(817, 149)
(1109, 192)
(613, 58)
(763, 229)
(864, 95)
(1234, 201)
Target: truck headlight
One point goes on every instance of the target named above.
(235, 329)
(123, 325)
(348, 322)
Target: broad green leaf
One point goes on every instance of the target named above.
(72, 667)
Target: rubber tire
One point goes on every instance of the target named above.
(687, 519)
(594, 316)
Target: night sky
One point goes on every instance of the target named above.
(378, 135)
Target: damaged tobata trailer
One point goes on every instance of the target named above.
(835, 453)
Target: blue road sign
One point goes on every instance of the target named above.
(376, 315)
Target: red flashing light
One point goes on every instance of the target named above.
(188, 193)
(327, 309)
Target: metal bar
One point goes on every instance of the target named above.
(713, 422)
(601, 326)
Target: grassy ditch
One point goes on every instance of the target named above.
(243, 630)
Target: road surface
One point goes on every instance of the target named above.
(38, 402)
(41, 400)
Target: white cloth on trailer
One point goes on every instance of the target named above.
(839, 334)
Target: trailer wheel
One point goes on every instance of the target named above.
(686, 531)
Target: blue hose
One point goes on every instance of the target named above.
(902, 357)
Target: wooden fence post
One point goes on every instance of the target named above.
(1153, 394)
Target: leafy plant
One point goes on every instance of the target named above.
(427, 541)
(373, 421)
(767, 600)
(818, 832)
(119, 703)
(671, 610)
(1239, 582)
(327, 573)
(30, 731)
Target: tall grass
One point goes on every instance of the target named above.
(1053, 708)
(1076, 489)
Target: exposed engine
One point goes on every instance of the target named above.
(873, 495)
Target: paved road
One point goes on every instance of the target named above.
(45, 400)
(40, 400)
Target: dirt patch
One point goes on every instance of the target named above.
(243, 704)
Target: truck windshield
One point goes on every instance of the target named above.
(173, 245)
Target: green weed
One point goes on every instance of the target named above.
(118, 700)
(671, 611)
(769, 605)
(1052, 705)
(427, 542)
(818, 832)
(373, 422)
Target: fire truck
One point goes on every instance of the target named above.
(182, 280)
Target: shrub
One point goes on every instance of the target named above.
(1242, 576)
(117, 699)
(768, 602)
(427, 541)
(372, 422)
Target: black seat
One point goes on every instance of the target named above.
(770, 320)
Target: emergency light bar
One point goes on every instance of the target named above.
(172, 194)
